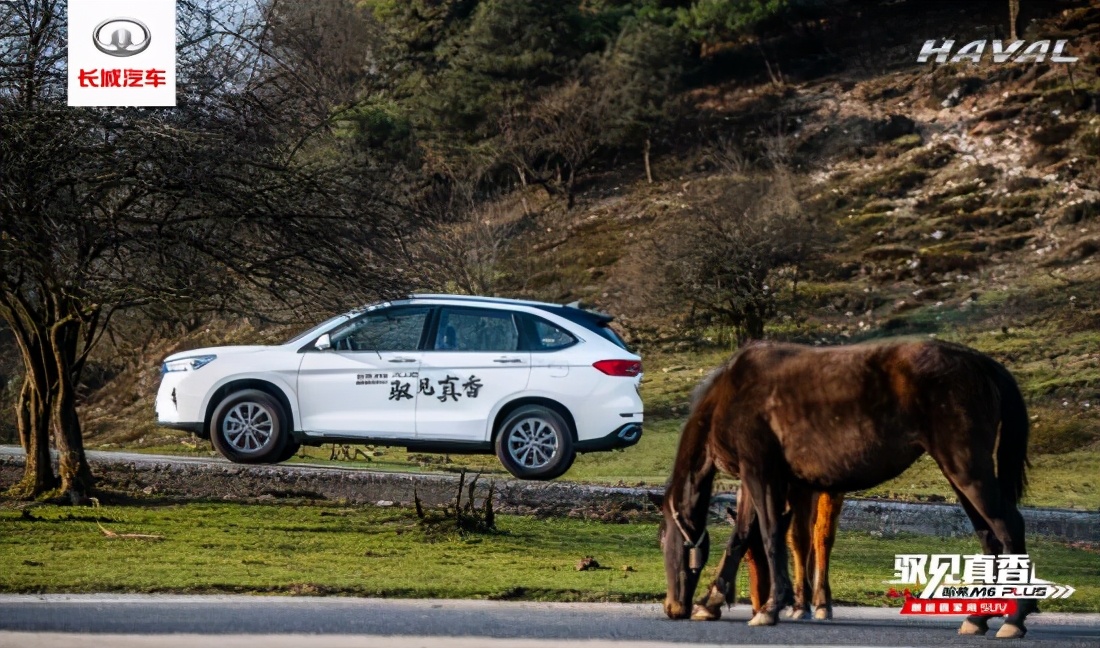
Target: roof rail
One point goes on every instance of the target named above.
(574, 305)
(477, 298)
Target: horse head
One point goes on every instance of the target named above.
(686, 546)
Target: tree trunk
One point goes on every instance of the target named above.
(645, 155)
(570, 196)
(53, 334)
(76, 475)
(65, 344)
(753, 325)
(33, 417)
(22, 415)
(1013, 14)
(32, 412)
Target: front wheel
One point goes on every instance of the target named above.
(534, 442)
(250, 426)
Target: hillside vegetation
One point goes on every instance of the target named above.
(878, 196)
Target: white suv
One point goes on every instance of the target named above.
(535, 383)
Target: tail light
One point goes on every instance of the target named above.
(627, 368)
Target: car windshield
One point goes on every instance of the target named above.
(316, 330)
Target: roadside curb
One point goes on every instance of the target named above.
(218, 480)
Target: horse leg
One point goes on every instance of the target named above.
(802, 519)
(977, 485)
(745, 538)
(769, 495)
(760, 582)
(826, 521)
(978, 624)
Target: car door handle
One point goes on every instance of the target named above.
(402, 359)
(508, 360)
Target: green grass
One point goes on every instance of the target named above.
(369, 551)
(1060, 481)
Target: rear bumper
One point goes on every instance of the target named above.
(623, 437)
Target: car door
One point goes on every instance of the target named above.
(473, 362)
(365, 383)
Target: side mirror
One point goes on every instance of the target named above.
(324, 342)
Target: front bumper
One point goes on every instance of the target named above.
(622, 437)
(175, 407)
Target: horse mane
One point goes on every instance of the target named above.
(704, 387)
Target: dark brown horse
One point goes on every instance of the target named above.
(791, 420)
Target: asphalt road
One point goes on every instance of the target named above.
(273, 622)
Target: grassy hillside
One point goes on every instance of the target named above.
(974, 218)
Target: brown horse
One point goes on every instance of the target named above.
(791, 420)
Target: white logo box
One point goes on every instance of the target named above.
(147, 78)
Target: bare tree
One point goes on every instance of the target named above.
(470, 254)
(722, 261)
(225, 199)
(552, 140)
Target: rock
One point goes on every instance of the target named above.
(1079, 210)
(1052, 134)
(886, 252)
(953, 98)
(894, 127)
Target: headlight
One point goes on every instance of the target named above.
(187, 364)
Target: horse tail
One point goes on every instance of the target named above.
(1012, 462)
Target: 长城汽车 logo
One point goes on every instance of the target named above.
(116, 37)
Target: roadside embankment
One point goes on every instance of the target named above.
(210, 479)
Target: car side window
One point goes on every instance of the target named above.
(476, 330)
(549, 337)
(396, 330)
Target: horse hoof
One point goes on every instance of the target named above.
(823, 613)
(764, 619)
(1011, 631)
(703, 613)
(798, 613)
(969, 627)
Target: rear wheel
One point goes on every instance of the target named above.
(250, 426)
(534, 442)
(292, 447)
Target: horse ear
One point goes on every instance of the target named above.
(655, 499)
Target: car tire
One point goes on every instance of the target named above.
(535, 442)
(289, 450)
(250, 426)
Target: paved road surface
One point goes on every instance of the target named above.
(86, 621)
